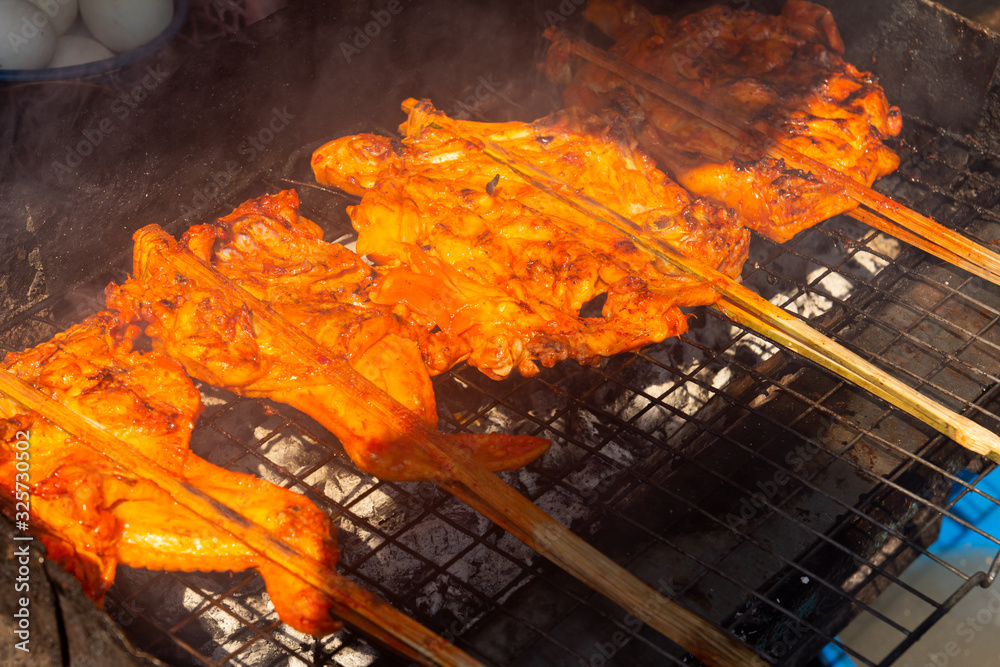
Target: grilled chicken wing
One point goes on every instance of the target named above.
(782, 74)
(97, 514)
(464, 243)
(267, 248)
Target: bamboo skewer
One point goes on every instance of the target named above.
(665, 155)
(924, 232)
(766, 318)
(468, 480)
(876, 221)
(351, 603)
(830, 360)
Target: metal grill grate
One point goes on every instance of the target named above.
(750, 486)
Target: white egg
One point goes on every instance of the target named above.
(78, 28)
(75, 50)
(29, 40)
(122, 25)
(61, 13)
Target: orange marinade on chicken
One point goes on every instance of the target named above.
(782, 74)
(462, 242)
(278, 256)
(96, 514)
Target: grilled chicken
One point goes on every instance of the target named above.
(783, 74)
(521, 277)
(278, 256)
(96, 514)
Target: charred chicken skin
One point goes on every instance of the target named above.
(280, 257)
(465, 245)
(96, 514)
(783, 74)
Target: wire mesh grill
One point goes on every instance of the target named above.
(747, 484)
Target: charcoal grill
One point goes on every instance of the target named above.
(745, 483)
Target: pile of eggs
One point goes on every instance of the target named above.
(62, 33)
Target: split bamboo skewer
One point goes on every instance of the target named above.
(352, 603)
(876, 221)
(767, 319)
(665, 155)
(819, 355)
(924, 232)
(469, 481)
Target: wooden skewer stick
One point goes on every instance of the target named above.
(770, 320)
(933, 237)
(470, 481)
(876, 221)
(664, 154)
(351, 603)
(820, 355)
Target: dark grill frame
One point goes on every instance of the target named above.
(519, 610)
